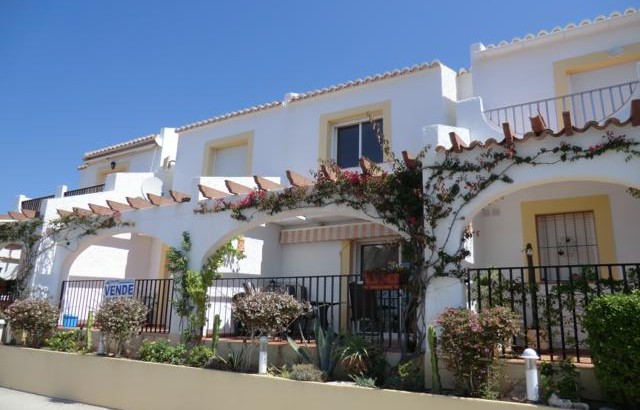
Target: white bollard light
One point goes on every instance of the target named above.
(531, 372)
(2, 323)
(262, 359)
(101, 346)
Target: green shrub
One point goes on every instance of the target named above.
(162, 351)
(36, 317)
(67, 341)
(560, 378)
(119, 319)
(612, 324)
(268, 313)
(307, 372)
(358, 355)
(468, 343)
(364, 381)
(198, 356)
(407, 375)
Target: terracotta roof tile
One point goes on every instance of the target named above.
(298, 180)
(100, 210)
(18, 216)
(64, 213)
(314, 93)
(118, 206)
(512, 139)
(558, 29)
(265, 184)
(236, 188)
(179, 197)
(211, 193)
(139, 203)
(158, 200)
(82, 212)
(123, 146)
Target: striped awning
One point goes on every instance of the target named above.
(8, 269)
(335, 233)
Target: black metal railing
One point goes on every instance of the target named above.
(593, 105)
(337, 301)
(85, 190)
(6, 298)
(551, 300)
(78, 297)
(34, 204)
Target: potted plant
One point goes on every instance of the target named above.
(392, 277)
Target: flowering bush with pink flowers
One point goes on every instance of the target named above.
(119, 319)
(36, 317)
(268, 313)
(469, 340)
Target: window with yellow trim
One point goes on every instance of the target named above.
(567, 239)
(358, 139)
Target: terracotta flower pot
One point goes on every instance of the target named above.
(378, 279)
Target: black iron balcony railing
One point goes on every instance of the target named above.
(85, 190)
(35, 203)
(593, 105)
(550, 300)
(339, 302)
(6, 298)
(78, 297)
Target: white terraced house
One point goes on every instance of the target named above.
(553, 225)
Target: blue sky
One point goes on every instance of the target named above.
(80, 75)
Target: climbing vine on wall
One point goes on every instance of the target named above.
(422, 199)
(190, 296)
(37, 237)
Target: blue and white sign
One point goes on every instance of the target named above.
(120, 288)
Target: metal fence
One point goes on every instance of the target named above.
(34, 204)
(593, 105)
(78, 297)
(339, 302)
(551, 300)
(85, 190)
(5, 300)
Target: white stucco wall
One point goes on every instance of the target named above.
(144, 160)
(117, 257)
(262, 254)
(288, 137)
(524, 72)
(500, 239)
(321, 258)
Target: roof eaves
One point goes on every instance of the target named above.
(315, 93)
(123, 146)
(557, 30)
(492, 142)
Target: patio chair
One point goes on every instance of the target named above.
(365, 313)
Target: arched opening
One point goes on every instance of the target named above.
(318, 255)
(117, 264)
(544, 248)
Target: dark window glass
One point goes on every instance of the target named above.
(371, 147)
(348, 146)
(378, 256)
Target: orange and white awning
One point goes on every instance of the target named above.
(335, 233)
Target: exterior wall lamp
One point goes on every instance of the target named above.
(531, 373)
(112, 165)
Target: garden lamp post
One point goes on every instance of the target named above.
(262, 358)
(531, 373)
(528, 250)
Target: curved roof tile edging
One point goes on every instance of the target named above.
(559, 29)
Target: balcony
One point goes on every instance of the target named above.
(86, 190)
(34, 204)
(593, 105)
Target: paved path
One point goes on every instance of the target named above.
(17, 400)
